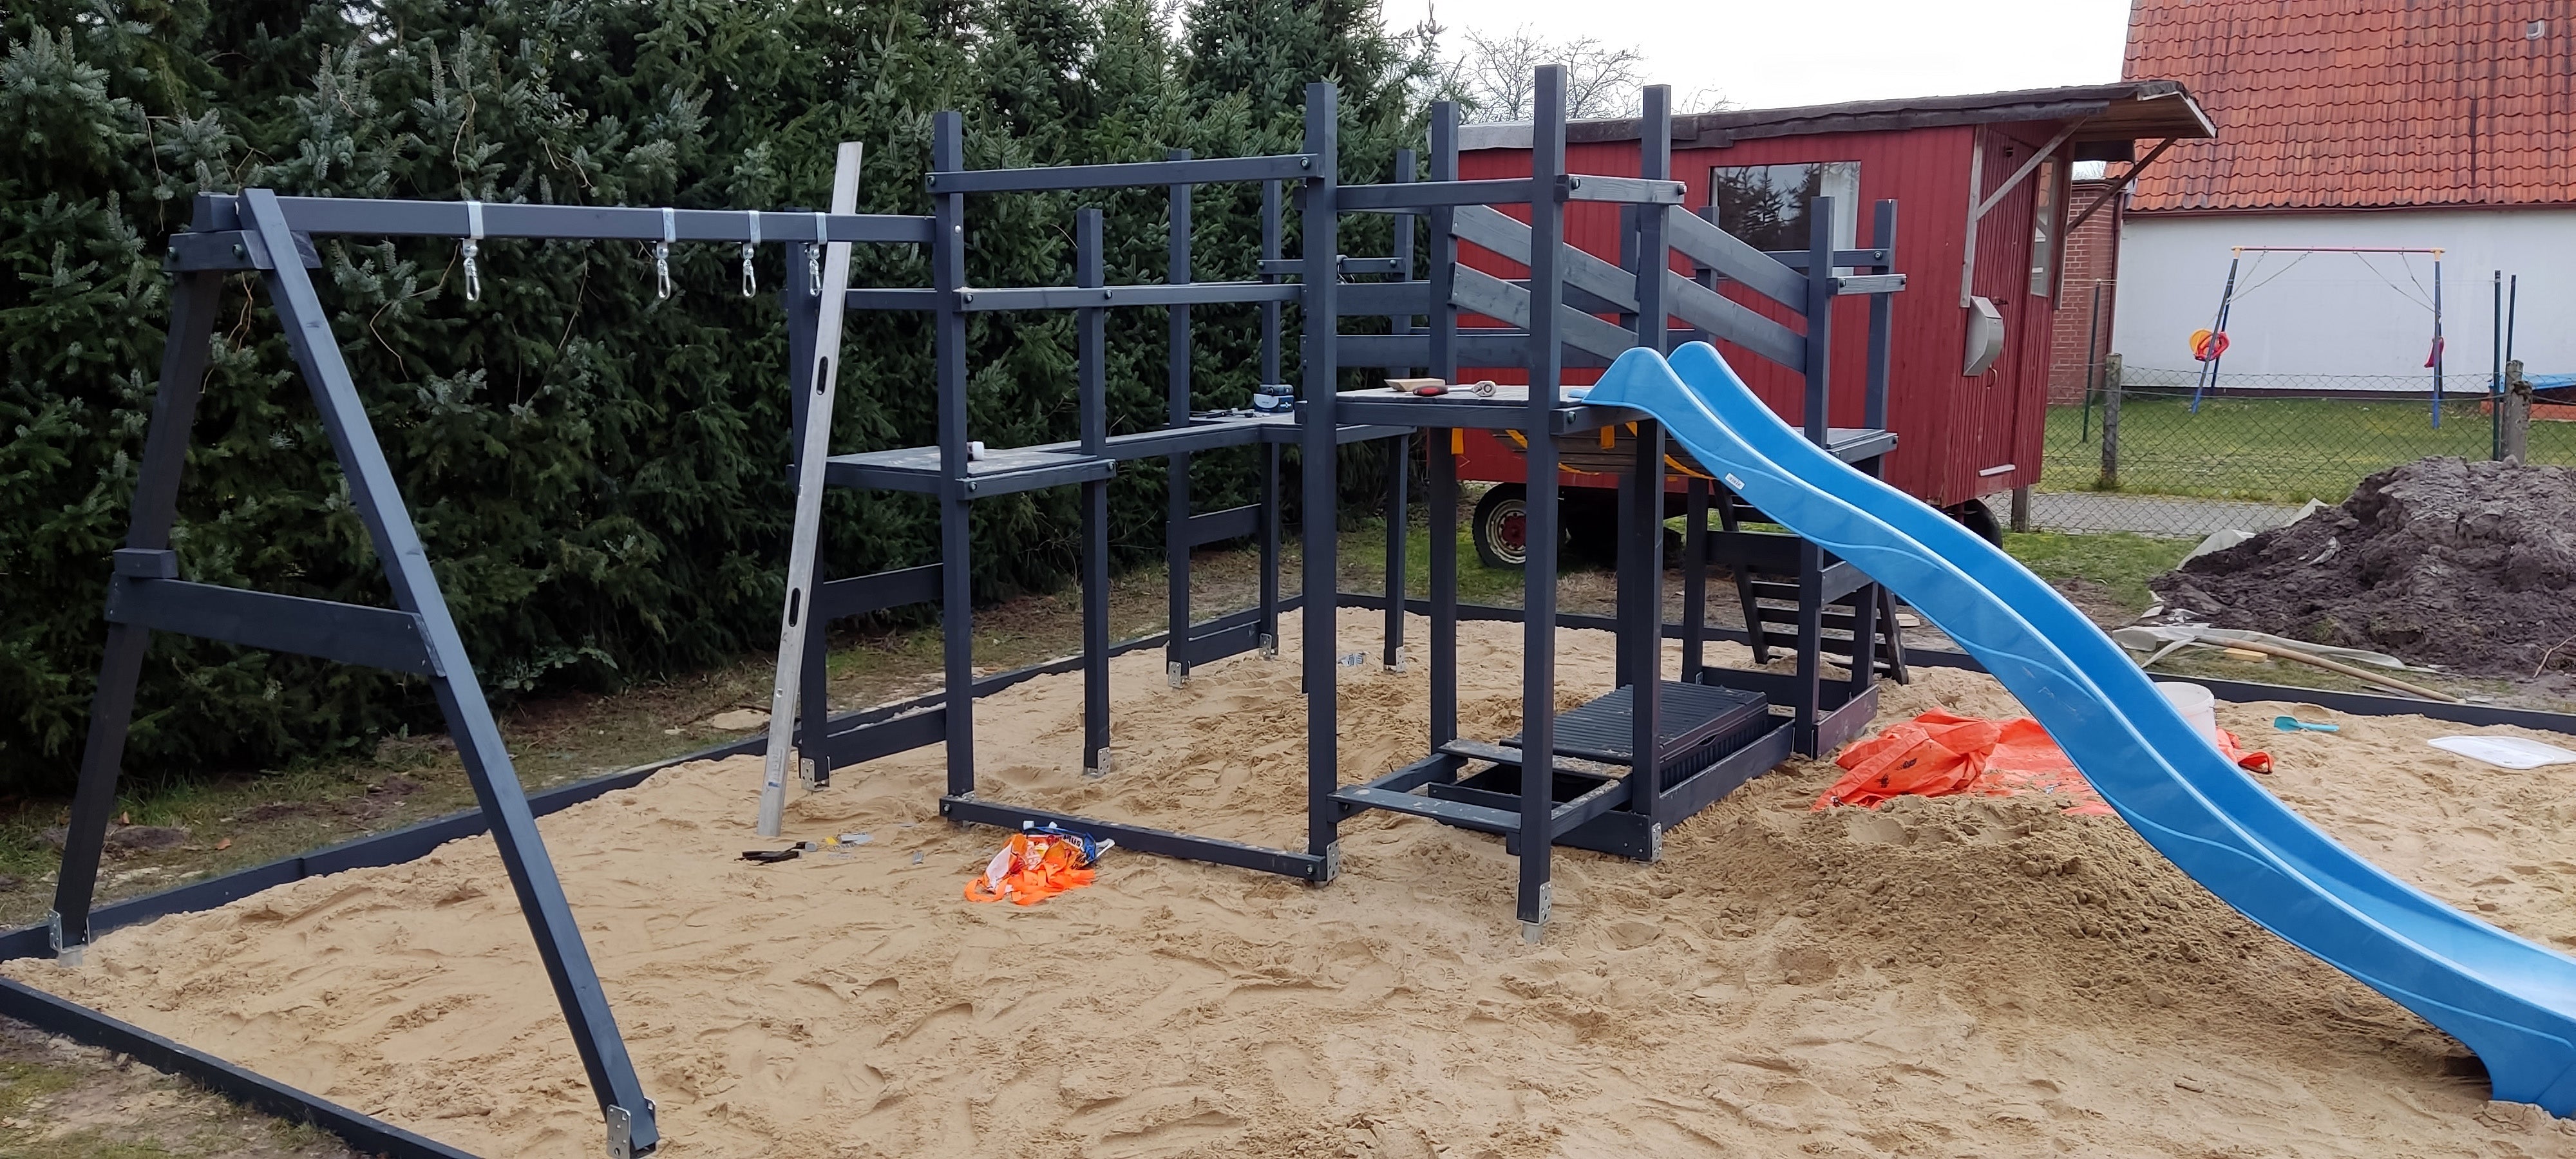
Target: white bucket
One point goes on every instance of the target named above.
(2195, 703)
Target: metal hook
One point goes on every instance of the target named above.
(814, 256)
(750, 280)
(473, 246)
(662, 252)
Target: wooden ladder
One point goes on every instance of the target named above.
(1770, 604)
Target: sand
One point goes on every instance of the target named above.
(1945, 977)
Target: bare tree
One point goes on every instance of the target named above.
(1704, 99)
(1493, 76)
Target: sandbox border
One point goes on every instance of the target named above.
(57, 1015)
(364, 1132)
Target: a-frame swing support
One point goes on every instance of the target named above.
(258, 231)
(419, 638)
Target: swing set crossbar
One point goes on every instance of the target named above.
(2332, 249)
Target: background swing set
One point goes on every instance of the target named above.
(2210, 345)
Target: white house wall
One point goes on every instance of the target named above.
(2362, 320)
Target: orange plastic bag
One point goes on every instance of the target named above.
(1938, 754)
(1933, 755)
(1031, 868)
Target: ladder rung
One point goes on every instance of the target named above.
(1457, 813)
(1477, 750)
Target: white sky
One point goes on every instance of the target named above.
(1810, 52)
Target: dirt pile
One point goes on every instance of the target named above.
(2443, 561)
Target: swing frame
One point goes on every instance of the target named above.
(2207, 377)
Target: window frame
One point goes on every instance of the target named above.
(1840, 180)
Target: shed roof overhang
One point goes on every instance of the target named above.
(2107, 118)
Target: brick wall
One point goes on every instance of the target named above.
(2092, 259)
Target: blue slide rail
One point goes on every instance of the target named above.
(2510, 1000)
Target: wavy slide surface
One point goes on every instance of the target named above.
(2508, 999)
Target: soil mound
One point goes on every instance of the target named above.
(2443, 561)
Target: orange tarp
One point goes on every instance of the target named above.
(1938, 754)
(1030, 869)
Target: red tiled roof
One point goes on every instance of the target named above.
(2364, 103)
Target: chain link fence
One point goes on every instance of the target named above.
(2147, 453)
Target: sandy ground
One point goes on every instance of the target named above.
(1952, 977)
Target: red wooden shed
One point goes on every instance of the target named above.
(1967, 426)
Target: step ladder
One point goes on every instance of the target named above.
(1770, 605)
(1770, 602)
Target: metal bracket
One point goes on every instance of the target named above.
(63, 955)
(1654, 843)
(1269, 646)
(806, 771)
(621, 1126)
(1531, 932)
(1332, 864)
(1100, 767)
(230, 249)
(147, 563)
(1177, 673)
(1869, 284)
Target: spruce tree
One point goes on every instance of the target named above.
(597, 470)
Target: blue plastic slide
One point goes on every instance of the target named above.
(2508, 999)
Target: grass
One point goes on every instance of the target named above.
(2120, 562)
(76, 1103)
(22, 1083)
(1364, 566)
(2269, 449)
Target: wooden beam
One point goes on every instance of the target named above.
(2038, 155)
(1978, 206)
(2135, 167)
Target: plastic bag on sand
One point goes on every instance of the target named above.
(1036, 865)
(1938, 754)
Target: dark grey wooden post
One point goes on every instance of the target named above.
(1318, 440)
(1399, 468)
(1271, 499)
(479, 746)
(1442, 502)
(156, 508)
(1176, 370)
(1538, 638)
(1642, 525)
(956, 548)
(1091, 388)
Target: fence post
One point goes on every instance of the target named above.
(2513, 411)
(2110, 480)
(2021, 508)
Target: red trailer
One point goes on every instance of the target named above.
(1968, 365)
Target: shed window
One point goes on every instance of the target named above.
(2043, 231)
(1766, 205)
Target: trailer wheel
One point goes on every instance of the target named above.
(1977, 517)
(1501, 526)
(1590, 519)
